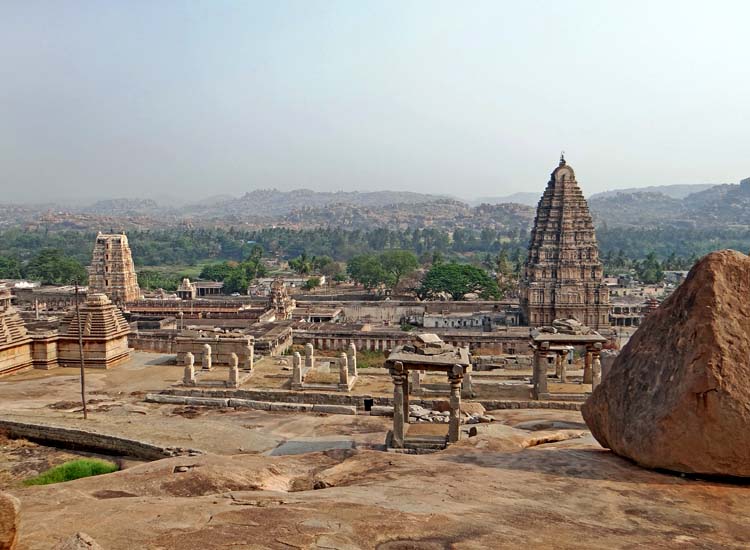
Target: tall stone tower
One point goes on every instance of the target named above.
(563, 274)
(112, 271)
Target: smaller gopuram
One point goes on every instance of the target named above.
(112, 271)
(15, 343)
(280, 301)
(105, 335)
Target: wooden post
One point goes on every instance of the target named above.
(80, 353)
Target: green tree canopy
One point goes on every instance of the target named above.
(458, 280)
(53, 268)
(398, 264)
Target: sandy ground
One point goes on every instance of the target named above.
(534, 478)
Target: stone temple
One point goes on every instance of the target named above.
(563, 274)
(112, 271)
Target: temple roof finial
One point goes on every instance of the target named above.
(562, 158)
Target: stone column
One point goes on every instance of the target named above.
(564, 368)
(189, 376)
(468, 391)
(206, 359)
(454, 426)
(416, 382)
(309, 356)
(539, 378)
(234, 371)
(558, 365)
(296, 370)
(351, 355)
(343, 371)
(397, 374)
(587, 371)
(596, 372)
(249, 363)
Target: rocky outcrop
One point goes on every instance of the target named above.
(9, 518)
(678, 395)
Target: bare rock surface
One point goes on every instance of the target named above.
(678, 395)
(9, 512)
(79, 541)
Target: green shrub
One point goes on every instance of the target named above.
(75, 469)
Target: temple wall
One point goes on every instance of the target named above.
(101, 354)
(16, 357)
(221, 350)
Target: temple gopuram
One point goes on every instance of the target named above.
(563, 274)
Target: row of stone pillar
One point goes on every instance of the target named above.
(188, 379)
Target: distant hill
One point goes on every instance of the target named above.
(274, 203)
(713, 206)
(672, 191)
(123, 207)
(527, 198)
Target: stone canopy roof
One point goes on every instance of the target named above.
(100, 319)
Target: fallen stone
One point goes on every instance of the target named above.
(9, 518)
(250, 404)
(170, 399)
(677, 395)
(297, 407)
(381, 410)
(335, 409)
(471, 407)
(79, 541)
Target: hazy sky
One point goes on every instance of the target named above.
(146, 98)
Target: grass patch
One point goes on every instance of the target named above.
(75, 469)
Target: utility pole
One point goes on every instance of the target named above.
(80, 353)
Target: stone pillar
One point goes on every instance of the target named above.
(416, 382)
(206, 360)
(351, 355)
(468, 391)
(454, 426)
(189, 376)
(309, 356)
(539, 377)
(558, 365)
(596, 372)
(234, 371)
(343, 371)
(587, 371)
(296, 369)
(250, 361)
(398, 376)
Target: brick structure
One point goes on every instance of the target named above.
(563, 275)
(112, 271)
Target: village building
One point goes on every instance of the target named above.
(563, 276)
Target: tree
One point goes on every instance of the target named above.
(649, 270)
(398, 263)
(302, 264)
(52, 267)
(253, 264)
(367, 270)
(10, 268)
(458, 280)
(507, 281)
(236, 281)
(216, 272)
(311, 283)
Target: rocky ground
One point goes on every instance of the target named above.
(533, 478)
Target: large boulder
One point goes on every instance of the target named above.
(9, 512)
(678, 395)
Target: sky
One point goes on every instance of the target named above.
(136, 98)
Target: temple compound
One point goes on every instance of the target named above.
(429, 354)
(563, 276)
(112, 271)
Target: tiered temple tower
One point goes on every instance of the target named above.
(563, 274)
(112, 271)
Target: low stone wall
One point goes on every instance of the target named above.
(358, 401)
(157, 342)
(249, 404)
(73, 438)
